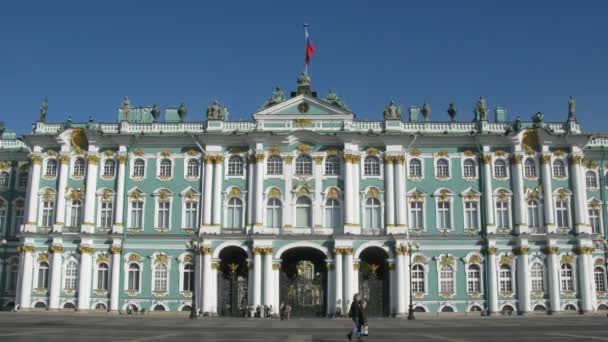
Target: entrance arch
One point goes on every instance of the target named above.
(303, 281)
(232, 282)
(374, 281)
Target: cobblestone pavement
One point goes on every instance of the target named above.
(92, 328)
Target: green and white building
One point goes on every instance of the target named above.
(304, 205)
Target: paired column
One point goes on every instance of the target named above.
(259, 189)
(56, 266)
(120, 195)
(523, 279)
(487, 194)
(349, 291)
(287, 207)
(208, 190)
(339, 299)
(32, 199)
(64, 161)
(348, 191)
(115, 286)
(257, 276)
(521, 226)
(580, 199)
(26, 276)
(548, 193)
(88, 225)
(206, 302)
(268, 277)
(276, 272)
(585, 274)
(492, 281)
(553, 272)
(84, 277)
(389, 192)
(400, 193)
(217, 190)
(400, 294)
(213, 289)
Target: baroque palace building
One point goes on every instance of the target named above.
(304, 205)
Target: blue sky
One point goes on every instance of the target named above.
(527, 56)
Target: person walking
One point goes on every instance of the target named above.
(358, 317)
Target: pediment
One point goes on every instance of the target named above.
(304, 106)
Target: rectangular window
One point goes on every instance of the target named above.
(502, 214)
(562, 215)
(163, 215)
(47, 213)
(471, 215)
(137, 209)
(594, 218)
(444, 217)
(416, 217)
(106, 214)
(191, 218)
(19, 213)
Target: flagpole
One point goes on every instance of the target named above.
(305, 47)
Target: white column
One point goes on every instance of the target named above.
(88, 225)
(348, 191)
(355, 277)
(217, 191)
(206, 297)
(208, 191)
(339, 299)
(268, 278)
(84, 277)
(547, 193)
(318, 174)
(579, 192)
(32, 199)
(389, 178)
(492, 281)
(356, 200)
(287, 207)
(198, 286)
(257, 277)
(26, 276)
(276, 272)
(553, 275)
(519, 205)
(250, 190)
(213, 289)
(64, 161)
(523, 279)
(400, 294)
(400, 193)
(259, 189)
(331, 292)
(349, 291)
(487, 194)
(585, 275)
(56, 266)
(115, 287)
(120, 195)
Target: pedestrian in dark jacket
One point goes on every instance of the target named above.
(358, 317)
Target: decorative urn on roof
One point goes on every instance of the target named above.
(426, 110)
(452, 111)
(182, 111)
(155, 113)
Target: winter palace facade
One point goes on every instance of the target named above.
(304, 205)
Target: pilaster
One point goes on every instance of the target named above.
(547, 192)
(400, 184)
(26, 270)
(492, 278)
(523, 276)
(84, 277)
(32, 193)
(116, 264)
(56, 270)
(553, 274)
(389, 179)
(487, 192)
(120, 194)
(64, 166)
(217, 191)
(585, 274)
(208, 190)
(88, 226)
(521, 226)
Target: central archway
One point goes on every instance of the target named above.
(374, 281)
(232, 282)
(303, 281)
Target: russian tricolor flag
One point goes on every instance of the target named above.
(310, 49)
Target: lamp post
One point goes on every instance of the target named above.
(409, 249)
(194, 245)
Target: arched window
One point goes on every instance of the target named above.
(102, 276)
(109, 168)
(192, 168)
(48, 211)
(500, 168)
(418, 279)
(303, 212)
(159, 307)
(446, 279)
(559, 168)
(415, 168)
(235, 166)
(5, 179)
(79, 166)
(51, 168)
(333, 214)
(530, 168)
(274, 165)
(75, 208)
(371, 166)
(534, 217)
(22, 180)
(567, 280)
(503, 214)
(234, 213)
(468, 169)
(133, 279)
(71, 276)
(537, 277)
(332, 166)
(165, 168)
(562, 213)
(139, 167)
(443, 168)
(188, 278)
(43, 275)
(160, 278)
(303, 165)
(274, 213)
(591, 180)
(600, 279)
(505, 281)
(372, 213)
(473, 279)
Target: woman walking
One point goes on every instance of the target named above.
(358, 317)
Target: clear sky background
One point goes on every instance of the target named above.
(85, 56)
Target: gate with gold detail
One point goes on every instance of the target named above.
(373, 289)
(302, 287)
(232, 289)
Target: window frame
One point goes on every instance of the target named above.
(188, 168)
(336, 169)
(527, 168)
(420, 162)
(465, 162)
(274, 165)
(133, 167)
(448, 168)
(301, 164)
(372, 167)
(235, 166)
(564, 163)
(373, 207)
(495, 166)
(502, 280)
(79, 167)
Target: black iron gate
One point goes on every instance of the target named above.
(374, 291)
(232, 290)
(304, 291)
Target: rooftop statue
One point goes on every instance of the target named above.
(482, 109)
(571, 108)
(182, 111)
(333, 99)
(277, 97)
(517, 124)
(155, 113)
(216, 112)
(538, 119)
(392, 112)
(126, 108)
(44, 108)
(452, 111)
(426, 110)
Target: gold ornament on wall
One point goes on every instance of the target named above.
(274, 149)
(373, 192)
(274, 193)
(78, 139)
(138, 152)
(303, 148)
(415, 152)
(505, 260)
(234, 193)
